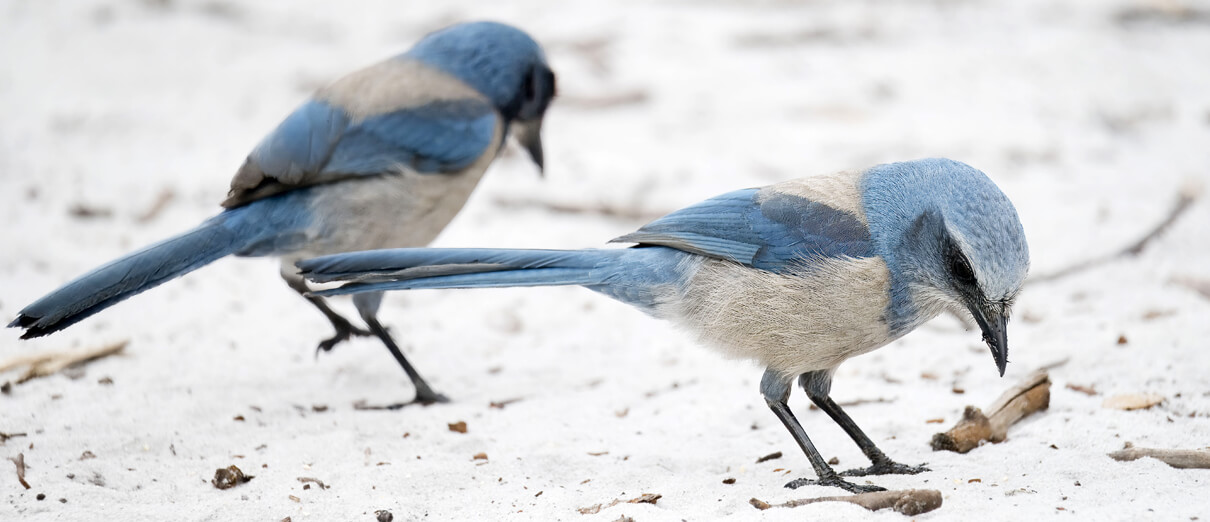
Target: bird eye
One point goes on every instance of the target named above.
(960, 268)
(530, 90)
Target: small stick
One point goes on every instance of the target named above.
(19, 460)
(910, 502)
(1183, 459)
(161, 202)
(51, 363)
(1024, 398)
(1184, 199)
(602, 209)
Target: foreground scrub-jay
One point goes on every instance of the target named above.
(799, 276)
(384, 157)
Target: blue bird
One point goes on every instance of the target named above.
(800, 275)
(384, 157)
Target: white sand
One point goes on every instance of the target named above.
(1089, 124)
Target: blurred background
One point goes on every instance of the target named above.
(121, 122)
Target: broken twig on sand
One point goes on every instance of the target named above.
(1184, 199)
(44, 364)
(1026, 397)
(910, 502)
(1183, 459)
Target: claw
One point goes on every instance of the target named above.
(343, 333)
(886, 468)
(834, 480)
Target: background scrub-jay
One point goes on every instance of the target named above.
(384, 157)
(800, 275)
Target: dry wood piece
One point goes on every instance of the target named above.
(645, 498)
(161, 202)
(44, 364)
(19, 460)
(1184, 199)
(771, 456)
(910, 502)
(1183, 459)
(1133, 401)
(315, 481)
(1026, 397)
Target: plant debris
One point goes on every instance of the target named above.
(1184, 199)
(459, 426)
(161, 202)
(771, 456)
(316, 481)
(1132, 401)
(909, 502)
(859, 402)
(44, 364)
(19, 460)
(229, 477)
(645, 498)
(1181, 459)
(5, 436)
(499, 405)
(1086, 390)
(1024, 398)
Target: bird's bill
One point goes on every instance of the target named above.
(995, 333)
(529, 135)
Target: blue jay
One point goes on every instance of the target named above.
(384, 157)
(800, 275)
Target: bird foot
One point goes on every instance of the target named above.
(425, 396)
(886, 467)
(834, 480)
(343, 333)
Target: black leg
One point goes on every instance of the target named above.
(344, 329)
(776, 389)
(367, 306)
(818, 384)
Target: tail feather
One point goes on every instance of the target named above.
(130, 275)
(416, 268)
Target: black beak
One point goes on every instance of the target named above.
(995, 333)
(529, 135)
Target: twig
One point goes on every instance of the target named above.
(161, 202)
(1026, 397)
(19, 460)
(1184, 199)
(1183, 459)
(603, 209)
(5, 436)
(606, 101)
(910, 502)
(857, 402)
(645, 498)
(45, 364)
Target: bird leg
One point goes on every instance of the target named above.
(818, 384)
(776, 389)
(344, 329)
(367, 305)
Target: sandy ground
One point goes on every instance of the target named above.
(1090, 116)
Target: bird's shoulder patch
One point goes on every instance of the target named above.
(773, 228)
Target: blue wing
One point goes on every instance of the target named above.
(759, 228)
(319, 143)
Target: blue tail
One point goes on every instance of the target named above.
(248, 230)
(638, 276)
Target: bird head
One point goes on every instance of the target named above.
(505, 65)
(955, 243)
